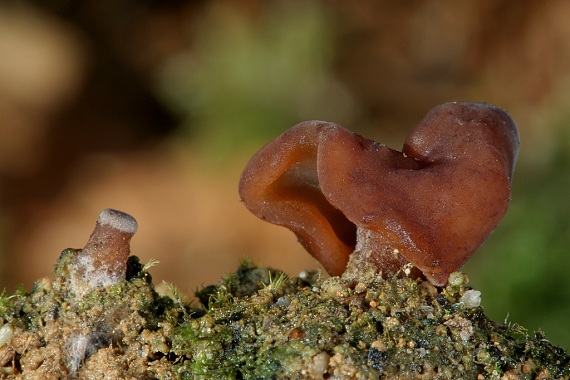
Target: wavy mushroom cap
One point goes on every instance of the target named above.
(438, 200)
(434, 203)
(280, 185)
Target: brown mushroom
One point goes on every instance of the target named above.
(281, 186)
(431, 205)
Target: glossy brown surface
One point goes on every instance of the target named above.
(280, 185)
(438, 200)
(435, 202)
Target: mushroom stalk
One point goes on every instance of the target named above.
(378, 252)
(103, 260)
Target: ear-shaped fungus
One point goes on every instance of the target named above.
(431, 205)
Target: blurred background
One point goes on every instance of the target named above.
(153, 107)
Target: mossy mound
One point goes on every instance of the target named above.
(260, 324)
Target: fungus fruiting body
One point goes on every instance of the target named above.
(432, 204)
(103, 260)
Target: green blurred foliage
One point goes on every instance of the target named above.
(522, 269)
(250, 79)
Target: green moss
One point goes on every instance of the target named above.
(393, 327)
(5, 303)
(258, 323)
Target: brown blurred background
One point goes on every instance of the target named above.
(153, 107)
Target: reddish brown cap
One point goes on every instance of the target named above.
(280, 185)
(440, 198)
(434, 203)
